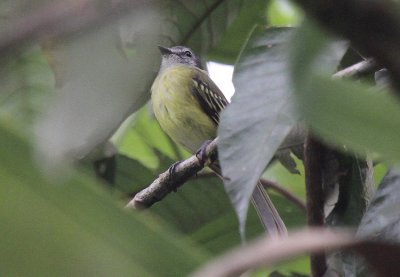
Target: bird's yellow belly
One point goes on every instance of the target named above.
(179, 113)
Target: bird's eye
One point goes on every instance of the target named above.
(188, 54)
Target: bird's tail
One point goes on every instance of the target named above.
(265, 209)
(267, 212)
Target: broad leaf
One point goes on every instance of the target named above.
(260, 115)
(381, 221)
(353, 114)
(75, 228)
(382, 218)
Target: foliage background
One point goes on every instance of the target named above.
(65, 91)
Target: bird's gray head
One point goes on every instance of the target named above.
(178, 55)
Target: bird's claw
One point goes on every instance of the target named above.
(201, 154)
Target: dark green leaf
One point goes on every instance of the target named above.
(382, 218)
(260, 116)
(98, 87)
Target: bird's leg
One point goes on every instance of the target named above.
(201, 154)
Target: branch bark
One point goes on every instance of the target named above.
(171, 180)
(357, 70)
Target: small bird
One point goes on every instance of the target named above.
(187, 105)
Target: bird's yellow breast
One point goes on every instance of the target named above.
(177, 109)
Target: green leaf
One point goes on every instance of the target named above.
(260, 115)
(283, 13)
(26, 82)
(98, 86)
(73, 227)
(341, 111)
(353, 114)
(382, 220)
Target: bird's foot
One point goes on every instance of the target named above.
(201, 154)
(171, 171)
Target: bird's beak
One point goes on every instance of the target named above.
(164, 50)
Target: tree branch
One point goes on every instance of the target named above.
(171, 180)
(357, 70)
(313, 162)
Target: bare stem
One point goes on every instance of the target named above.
(171, 180)
(357, 70)
(315, 196)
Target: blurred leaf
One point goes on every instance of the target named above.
(313, 52)
(250, 14)
(259, 117)
(26, 83)
(99, 87)
(382, 218)
(341, 111)
(283, 13)
(74, 228)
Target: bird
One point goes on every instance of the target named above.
(187, 104)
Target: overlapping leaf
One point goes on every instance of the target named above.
(260, 114)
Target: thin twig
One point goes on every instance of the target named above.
(171, 180)
(357, 70)
(284, 192)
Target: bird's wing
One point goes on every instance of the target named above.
(213, 101)
(210, 97)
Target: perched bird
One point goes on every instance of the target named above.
(187, 104)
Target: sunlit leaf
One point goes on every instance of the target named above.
(283, 13)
